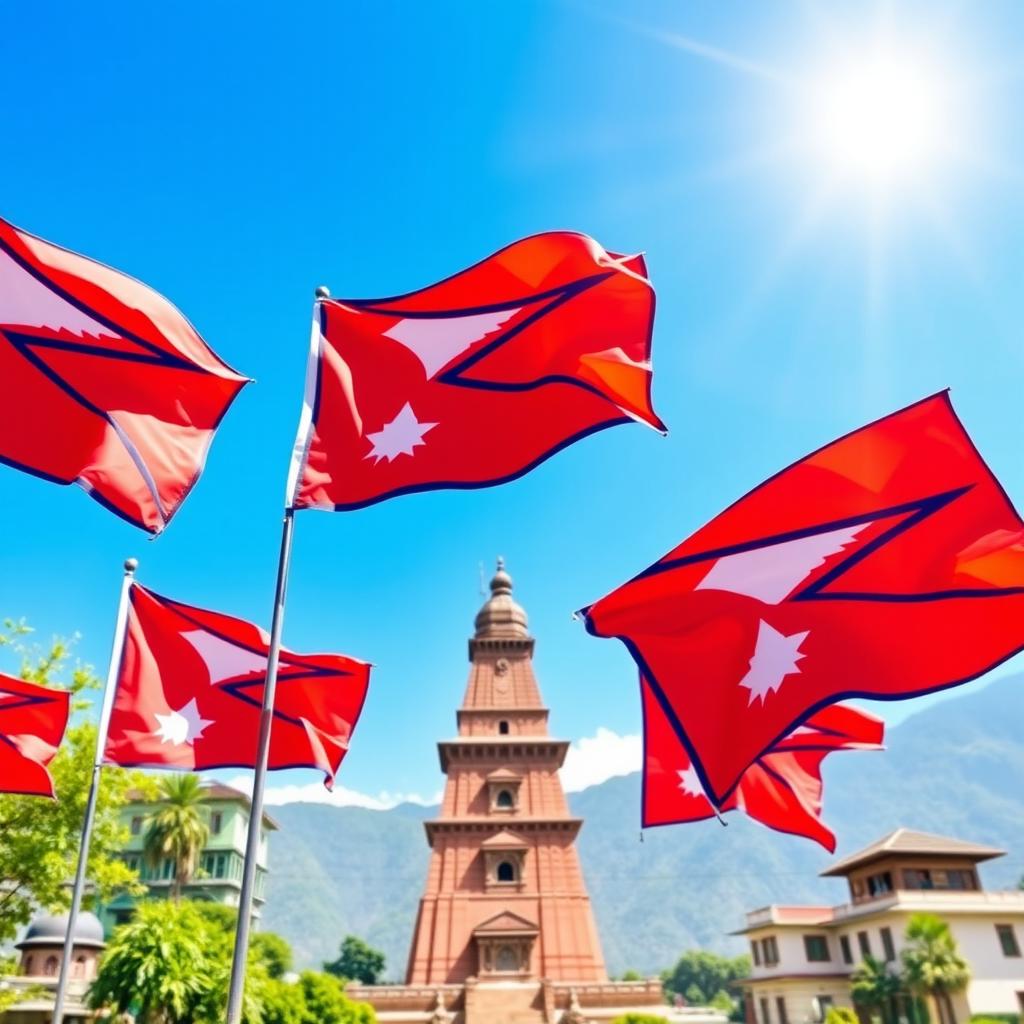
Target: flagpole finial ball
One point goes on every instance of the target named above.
(322, 292)
(130, 565)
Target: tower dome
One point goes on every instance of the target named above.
(50, 929)
(501, 617)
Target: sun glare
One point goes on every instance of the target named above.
(880, 120)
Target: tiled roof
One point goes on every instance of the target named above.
(907, 841)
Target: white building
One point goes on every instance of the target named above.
(803, 956)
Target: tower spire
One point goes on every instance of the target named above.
(501, 618)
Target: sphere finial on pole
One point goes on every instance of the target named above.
(130, 565)
(322, 292)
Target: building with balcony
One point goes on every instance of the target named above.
(219, 879)
(803, 956)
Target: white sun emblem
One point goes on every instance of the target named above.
(399, 437)
(689, 782)
(182, 726)
(775, 657)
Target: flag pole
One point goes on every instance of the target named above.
(116, 650)
(236, 990)
(252, 845)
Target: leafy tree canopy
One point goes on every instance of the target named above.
(700, 975)
(357, 962)
(41, 837)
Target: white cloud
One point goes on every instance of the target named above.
(594, 759)
(340, 796)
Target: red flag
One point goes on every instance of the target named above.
(190, 688)
(887, 564)
(104, 382)
(781, 789)
(476, 380)
(32, 723)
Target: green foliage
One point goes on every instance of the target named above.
(931, 961)
(631, 975)
(841, 1015)
(996, 1018)
(41, 837)
(273, 952)
(721, 1000)
(357, 962)
(177, 828)
(172, 965)
(699, 976)
(158, 966)
(876, 986)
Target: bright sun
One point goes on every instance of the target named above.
(880, 120)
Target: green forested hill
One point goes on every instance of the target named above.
(957, 768)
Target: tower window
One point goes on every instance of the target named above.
(504, 800)
(503, 728)
(51, 966)
(506, 871)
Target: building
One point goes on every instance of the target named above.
(803, 956)
(219, 879)
(42, 950)
(505, 931)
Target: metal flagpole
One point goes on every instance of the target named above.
(252, 844)
(116, 650)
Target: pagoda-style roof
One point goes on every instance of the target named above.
(904, 842)
(504, 840)
(506, 923)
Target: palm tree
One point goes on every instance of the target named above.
(933, 964)
(877, 988)
(177, 829)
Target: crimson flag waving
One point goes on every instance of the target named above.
(190, 689)
(887, 564)
(476, 380)
(103, 382)
(781, 789)
(32, 723)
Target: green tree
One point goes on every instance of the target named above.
(699, 975)
(273, 952)
(877, 987)
(933, 965)
(326, 1002)
(357, 962)
(178, 829)
(157, 967)
(631, 975)
(41, 837)
(841, 1015)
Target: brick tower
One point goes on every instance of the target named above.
(505, 898)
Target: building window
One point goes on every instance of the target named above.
(918, 878)
(864, 943)
(503, 728)
(132, 861)
(958, 879)
(167, 868)
(824, 1004)
(816, 948)
(887, 945)
(844, 946)
(755, 949)
(880, 884)
(506, 959)
(216, 822)
(136, 825)
(766, 1017)
(50, 969)
(504, 801)
(28, 965)
(506, 871)
(770, 951)
(780, 1009)
(1008, 940)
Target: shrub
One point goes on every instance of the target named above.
(841, 1015)
(639, 1018)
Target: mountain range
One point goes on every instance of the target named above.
(955, 768)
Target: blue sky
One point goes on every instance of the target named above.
(236, 157)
